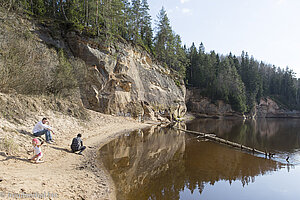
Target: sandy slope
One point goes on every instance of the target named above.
(63, 175)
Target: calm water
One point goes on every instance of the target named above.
(161, 163)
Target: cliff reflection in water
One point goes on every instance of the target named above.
(159, 163)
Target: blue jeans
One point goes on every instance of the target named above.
(46, 132)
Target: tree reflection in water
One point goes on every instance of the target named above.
(278, 135)
(159, 163)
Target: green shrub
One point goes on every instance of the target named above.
(64, 80)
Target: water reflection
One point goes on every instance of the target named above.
(161, 163)
(277, 135)
(136, 159)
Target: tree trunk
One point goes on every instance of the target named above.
(87, 13)
(31, 3)
(62, 9)
(53, 7)
(97, 17)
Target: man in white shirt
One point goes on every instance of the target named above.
(42, 128)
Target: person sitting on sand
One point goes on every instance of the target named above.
(77, 144)
(37, 151)
(42, 128)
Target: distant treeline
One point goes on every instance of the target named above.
(240, 81)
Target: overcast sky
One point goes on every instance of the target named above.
(267, 29)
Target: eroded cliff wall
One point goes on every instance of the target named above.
(123, 80)
(268, 108)
(204, 107)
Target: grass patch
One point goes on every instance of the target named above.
(8, 145)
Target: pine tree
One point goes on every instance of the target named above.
(136, 20)
(163, 35)
(192, 55)
(180, 57)
(146, 29)
(201, 48)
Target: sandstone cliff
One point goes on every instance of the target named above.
(204, 107)
(267, 108)
(123, 80)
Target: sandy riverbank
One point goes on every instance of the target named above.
(63, 175)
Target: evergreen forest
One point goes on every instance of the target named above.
(239, 80)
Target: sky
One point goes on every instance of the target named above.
(269, 30)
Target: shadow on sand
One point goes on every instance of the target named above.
(61, 149)
(15, 158)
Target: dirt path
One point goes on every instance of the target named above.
(63, 175)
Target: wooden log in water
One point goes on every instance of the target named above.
(213, 137)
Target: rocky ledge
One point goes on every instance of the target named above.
(267, 108)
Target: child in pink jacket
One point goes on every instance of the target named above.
(37, 151)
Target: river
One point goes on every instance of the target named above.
(163, 163)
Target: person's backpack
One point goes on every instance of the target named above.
(75, 144)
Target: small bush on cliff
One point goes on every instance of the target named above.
(64, 79)
(20, 65)
(28, 66)
(178, 84)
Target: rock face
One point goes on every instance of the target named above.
(124, 81)
(267, 108)
(121, 80)
(203, 107)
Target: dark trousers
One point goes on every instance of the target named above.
(81, 149)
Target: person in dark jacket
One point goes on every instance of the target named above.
(77, 145)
